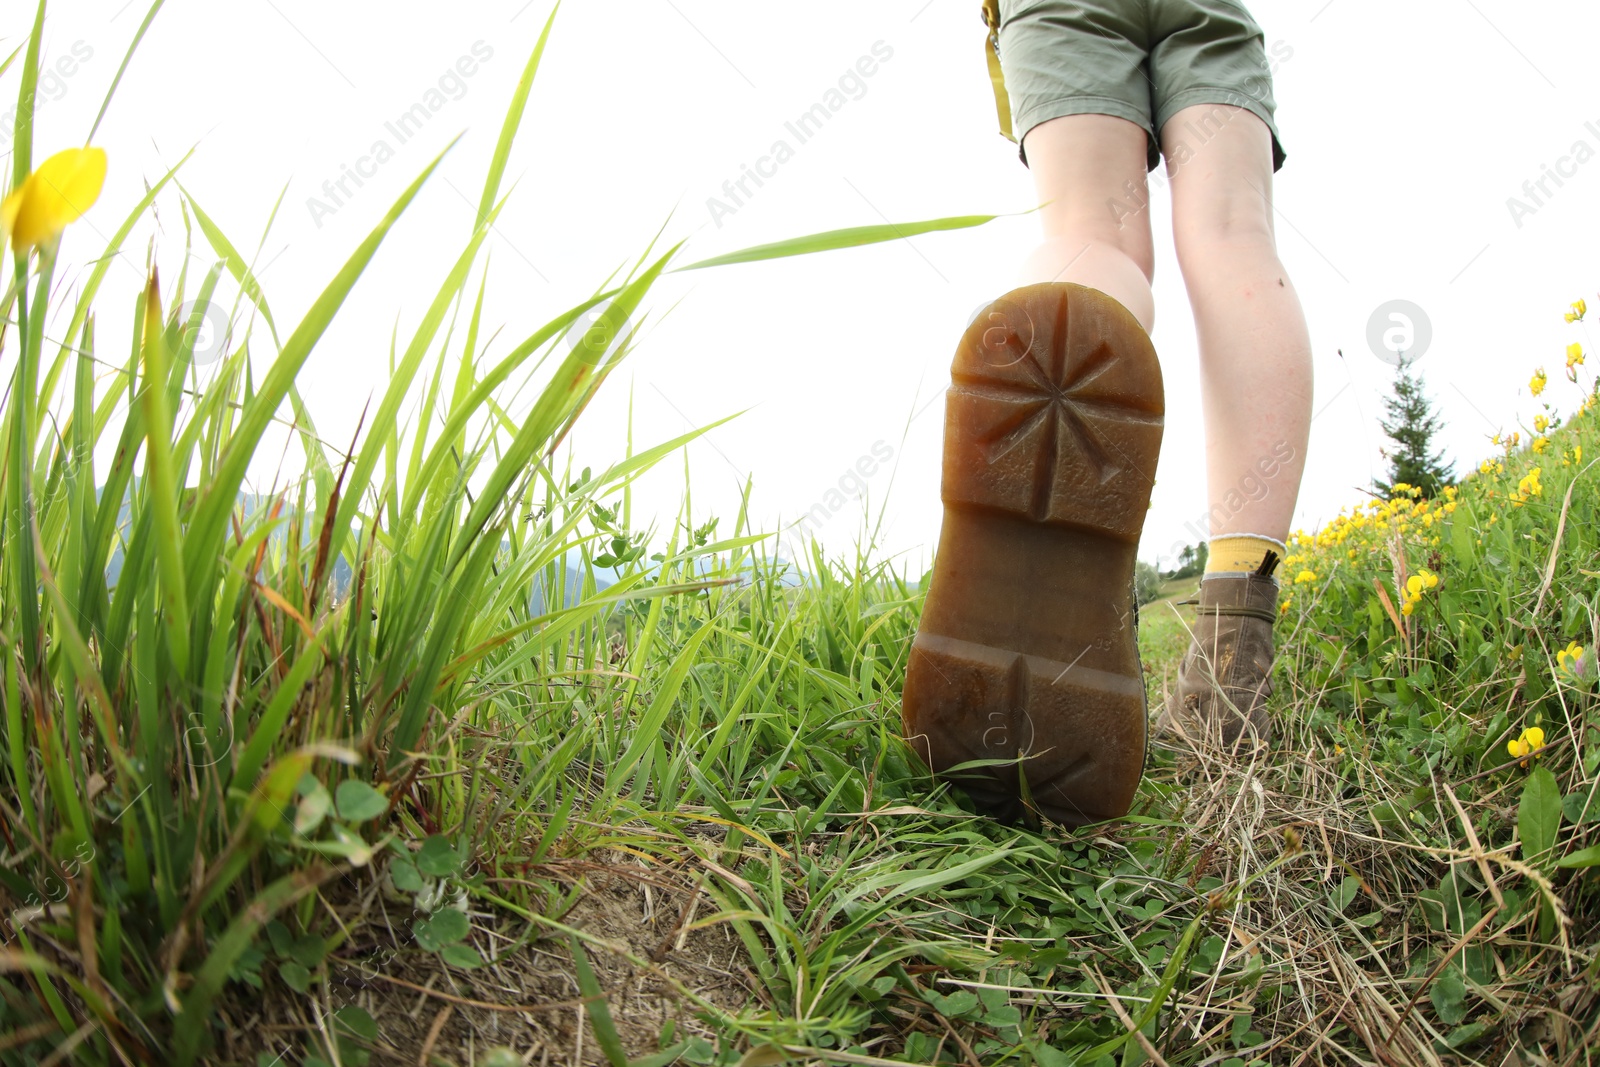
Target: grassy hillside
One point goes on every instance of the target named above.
(252, 815)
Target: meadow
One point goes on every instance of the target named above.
(376, 765)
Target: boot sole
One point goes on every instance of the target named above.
(1026, 650)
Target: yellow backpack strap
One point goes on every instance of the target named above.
(991, 51)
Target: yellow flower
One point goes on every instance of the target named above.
(1527, 488)
(1408, 607)
(1540, 444)
(1578, 310)
(1577, 453)
(1541, 423)
(1574, 353)
(1414, 585)
(62, 189)
(1573, 660)
(1429, 579)
(1305, 576)
(1536, 384)
(1530, 739)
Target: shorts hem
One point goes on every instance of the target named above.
(1033, 114)
(1231, 97)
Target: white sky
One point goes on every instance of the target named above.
(1407, 127)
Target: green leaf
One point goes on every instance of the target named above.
(851, 237)
(513, 120)
(1463, 1035)
(357, 801)
(1539, 814)
(404, 874)
(279, 935)
(605, 1031)
(445, 927)
(1582, 806)
(438, 858)
(295, 976)
(308, 950)
(355, 1021)
(1346, 892)
(464, 956)
(450, 925)
(313, 807)
(1449, 996)
(126, 59)
(955, 1004)
(1589, 857)
(22, 131)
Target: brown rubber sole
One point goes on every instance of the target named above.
(1026, 651)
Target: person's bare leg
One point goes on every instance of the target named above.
(1096, 225)
(1255, 352)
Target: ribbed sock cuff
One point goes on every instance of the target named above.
(1241, 552)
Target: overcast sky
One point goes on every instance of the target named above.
(1409, 128)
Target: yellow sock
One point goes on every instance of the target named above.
(1241, 552)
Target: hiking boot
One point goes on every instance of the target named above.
(1025, 652)
(1226, 676)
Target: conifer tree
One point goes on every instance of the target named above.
(1411, 424)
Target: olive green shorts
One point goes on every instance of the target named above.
(1140, 60)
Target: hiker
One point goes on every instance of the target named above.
(1026, 655)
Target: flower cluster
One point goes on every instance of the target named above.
(1577, 664)
(1579, 308)
(1406, 533)
(1527, 488)
(1531, 741)
(1414, 587)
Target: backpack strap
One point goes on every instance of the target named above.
(991, 52)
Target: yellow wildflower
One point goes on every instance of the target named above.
(1541, 423)
(1577, 312)
(1540, 444)
(1305, 576)
(1532, 740)
(1537, 383)
(48, 200)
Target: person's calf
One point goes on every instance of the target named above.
(1091, 260)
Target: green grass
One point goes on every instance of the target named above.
(250, 814)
